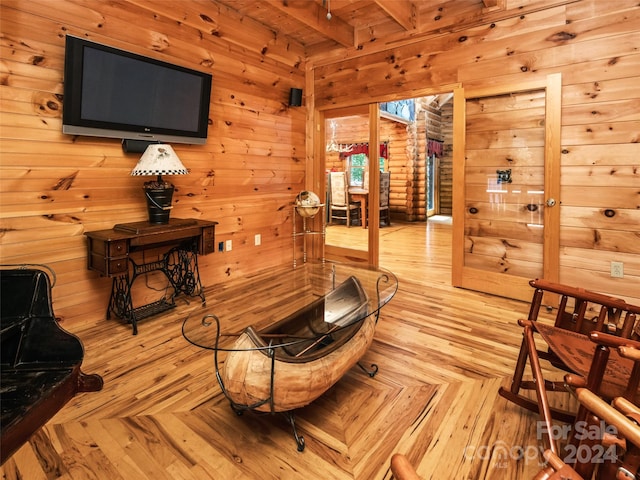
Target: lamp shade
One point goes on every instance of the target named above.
(159, 159)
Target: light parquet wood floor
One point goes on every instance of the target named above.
(442, 352)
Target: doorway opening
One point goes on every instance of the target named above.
(416, 150)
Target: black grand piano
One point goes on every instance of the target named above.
(40, 362)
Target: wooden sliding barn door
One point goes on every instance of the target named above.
(506, 207)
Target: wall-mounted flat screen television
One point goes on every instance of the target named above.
(114, 93)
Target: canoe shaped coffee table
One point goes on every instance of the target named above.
(285, 350)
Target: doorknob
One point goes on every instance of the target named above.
(551, 202)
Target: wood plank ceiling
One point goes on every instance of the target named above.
(325, 25)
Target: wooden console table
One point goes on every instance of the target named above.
(109, 254)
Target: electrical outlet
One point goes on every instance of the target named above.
(229, 245)
(617, 270)
(258, 239)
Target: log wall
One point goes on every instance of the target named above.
(445, 169)
(56, 187)
(594, 45)
(406, 155)
(355, 129)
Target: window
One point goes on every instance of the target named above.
(404, 109)
(356, 166)
(357, 162)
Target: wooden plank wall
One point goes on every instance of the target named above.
(594, 45)
(55, 187)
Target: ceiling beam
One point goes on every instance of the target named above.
(314, 16)
(404, 12)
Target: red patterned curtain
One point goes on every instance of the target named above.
(434, 147)
(364, 148)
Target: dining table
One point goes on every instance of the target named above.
(359, 194)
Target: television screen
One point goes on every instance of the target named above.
(114, 93)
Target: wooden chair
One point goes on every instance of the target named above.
(621, 445)
(581, 346)
(614, 372)
(579, 312)
(341, 207)
(556, 469)
(385, 183)
(402, 469)
(385, 186)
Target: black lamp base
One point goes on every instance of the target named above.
(159, 203)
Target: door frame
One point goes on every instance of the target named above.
(335, 252)
(316, 178)
(503, 284)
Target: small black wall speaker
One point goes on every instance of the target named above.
(295, 97)
(135, 146)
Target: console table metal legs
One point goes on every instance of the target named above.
(182, 239)
(180, 266)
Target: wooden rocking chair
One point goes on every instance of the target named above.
(623, 439)
(595, 352)
(579, 312)
(402, 469)
(614, 371)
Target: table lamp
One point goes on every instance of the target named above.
(159, 159)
